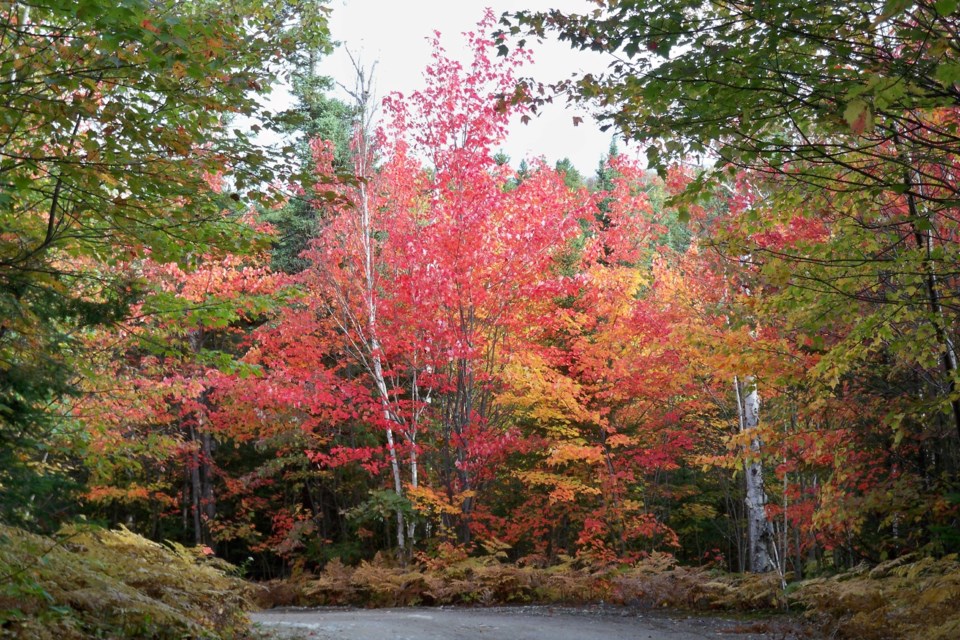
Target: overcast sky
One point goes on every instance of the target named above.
(394, 34)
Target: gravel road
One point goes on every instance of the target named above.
(502, 623)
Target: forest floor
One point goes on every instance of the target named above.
(512, 623)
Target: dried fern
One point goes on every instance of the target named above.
(95, 583)
(905, 598)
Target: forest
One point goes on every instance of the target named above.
(726, 353)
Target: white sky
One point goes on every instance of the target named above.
(394, 34)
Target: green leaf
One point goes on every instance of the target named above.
(859, 116)
(945, 7)
(893, 7)
(653, 156)
(948, 74)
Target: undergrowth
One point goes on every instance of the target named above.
(94, 583)
(657, 581)
(910, 598)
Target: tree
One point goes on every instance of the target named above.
(571, 177)
(843, 117)
(315, 116)
(348, 266)
(114, 115)
(610, 413)
(851, 98)
(148, 390)
(418, 283)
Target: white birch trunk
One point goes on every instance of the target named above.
(374, 345)
(389, 416)
(366, 341)
(759, 530)
(411, 434)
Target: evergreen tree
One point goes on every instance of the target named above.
(316, 115)
(571, 177)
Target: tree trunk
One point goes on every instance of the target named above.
(389, 416)
(759, 531)
(201, 465)
(208, 501)
(367, 329)
(195, 490)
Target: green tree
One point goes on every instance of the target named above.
(316, 116)
(603, 180)
(115, 139)
(761, 84)
(571, 177)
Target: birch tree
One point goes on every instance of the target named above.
(347, 260)
(759, 529)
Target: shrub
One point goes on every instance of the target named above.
(94, 583)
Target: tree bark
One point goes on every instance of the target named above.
(759, 530)
(389, 416)
(201, 466)
(195, 490)
(367, 329)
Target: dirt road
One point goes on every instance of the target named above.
(501, 623)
